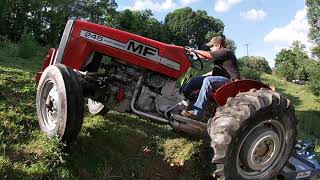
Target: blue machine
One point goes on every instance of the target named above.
(302, 164)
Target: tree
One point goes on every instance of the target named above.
(313, 14)
(316, 52)
(256, 63)
(285, 55)
(287, 70)
(291, 63)
(46, 18)
(313, 69)
(14, 18)
(187, 25)
(141, 23)
(253, 66)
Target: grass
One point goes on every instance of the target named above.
(307, 107)
(114, 146)
(306, 104)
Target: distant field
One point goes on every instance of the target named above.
(115, 146)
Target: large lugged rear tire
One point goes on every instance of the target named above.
(252, 136)
(60, 103)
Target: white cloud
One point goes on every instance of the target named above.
(154, 5)
(187, 2)
(225, 5)
(297, 29)
(254, 15)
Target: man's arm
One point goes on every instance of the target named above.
(204, 54)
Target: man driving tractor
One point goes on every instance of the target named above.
(225, 69)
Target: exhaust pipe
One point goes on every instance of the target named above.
(177, 122)
(188, 125)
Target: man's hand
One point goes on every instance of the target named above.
(189, 49)
(208, 74)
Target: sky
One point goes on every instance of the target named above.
(267, 26)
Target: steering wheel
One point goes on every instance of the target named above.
(193, 57)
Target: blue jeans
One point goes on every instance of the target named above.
(206, 84)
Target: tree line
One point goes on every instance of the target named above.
(294, 63)
(45, 20)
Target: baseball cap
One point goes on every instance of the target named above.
(216, 40)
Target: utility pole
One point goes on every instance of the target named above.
(247, 45)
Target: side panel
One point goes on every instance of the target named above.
(235, 87)
(86, 38)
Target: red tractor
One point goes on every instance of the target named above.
(251, 129)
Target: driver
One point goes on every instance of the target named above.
(225, 69)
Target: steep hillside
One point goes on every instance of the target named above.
(115, 146)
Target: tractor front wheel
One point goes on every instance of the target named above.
(60, 103)
(252, 136)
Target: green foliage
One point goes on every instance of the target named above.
(10, 49)
(141, 23)
(291, 63)
(27, 46)
(287, 71)
(316, 51)
(256, 63)
(285, 55)
(187, 25)
(46, 19)
(313, 14)
(306, 105)
(249, 73)
(314, 80)
(252, 67)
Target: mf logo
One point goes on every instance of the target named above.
(141, 49)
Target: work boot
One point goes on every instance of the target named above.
(187, 114)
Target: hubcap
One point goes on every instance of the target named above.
(50, 106)
(263, 150)
(260, 149)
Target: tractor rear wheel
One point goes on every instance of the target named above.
(60, 103)
(252, 136)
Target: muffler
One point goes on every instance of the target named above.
(188, 125)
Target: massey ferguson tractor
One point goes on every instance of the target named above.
(250, 128)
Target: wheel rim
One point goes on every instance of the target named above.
(50, 105)
(261, 149)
